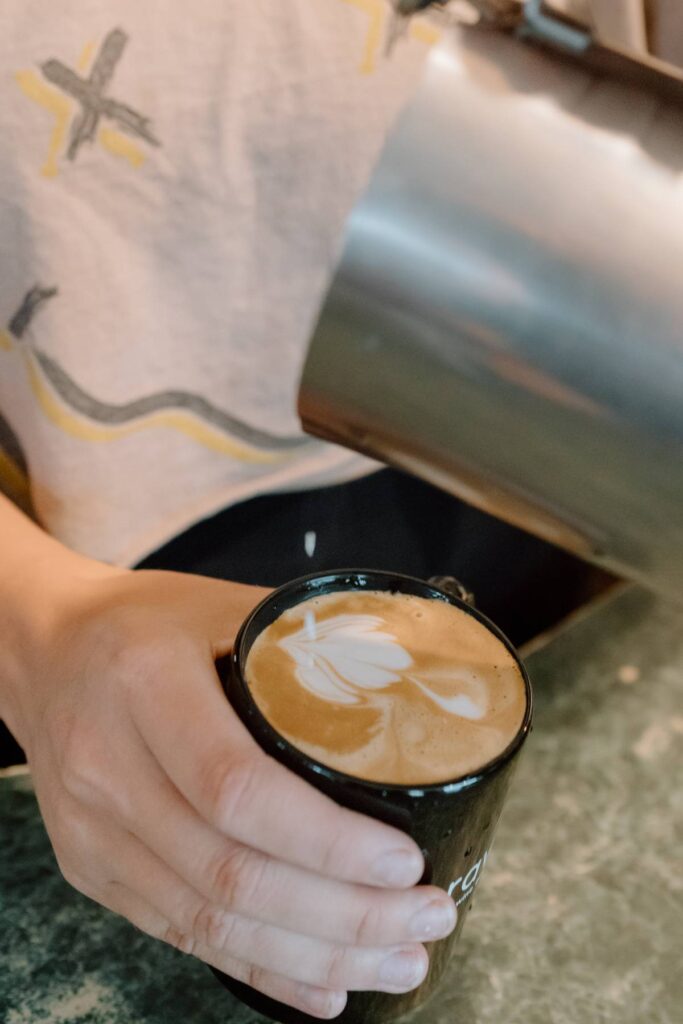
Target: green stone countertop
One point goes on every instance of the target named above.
(578, 919)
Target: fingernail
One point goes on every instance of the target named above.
(335, 1004)
(322, 1003)
(435, 921)
(402, 971)
(398, 869)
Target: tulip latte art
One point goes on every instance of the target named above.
(387, 687)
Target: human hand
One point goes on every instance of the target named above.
(161, 806)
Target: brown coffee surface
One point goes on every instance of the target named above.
(387, 687)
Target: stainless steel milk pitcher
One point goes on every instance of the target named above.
(506, 319)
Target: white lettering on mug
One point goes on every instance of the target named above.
(463, 887)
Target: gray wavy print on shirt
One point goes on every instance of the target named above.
(161, 401)
(30, 304)
(106, 412)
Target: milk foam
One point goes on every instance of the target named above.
(345, 654)
(388, 687)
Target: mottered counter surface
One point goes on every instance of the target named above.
(578, 917)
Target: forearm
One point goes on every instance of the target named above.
(38, 575)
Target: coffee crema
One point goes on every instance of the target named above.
(387, 687)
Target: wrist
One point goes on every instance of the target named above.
(40, 594)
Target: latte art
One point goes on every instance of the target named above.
(347, 654)
(387, 687)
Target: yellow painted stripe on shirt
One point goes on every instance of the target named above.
(6, 341)
(173, 419)
(33, 86)
(215, 440)
(120, 145)
(86, 56)
(425, 33)
(376, 11)
(36, 88)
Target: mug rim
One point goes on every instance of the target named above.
(325, 584)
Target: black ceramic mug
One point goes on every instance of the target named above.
(452, 822)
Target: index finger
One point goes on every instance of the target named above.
(209, 755)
